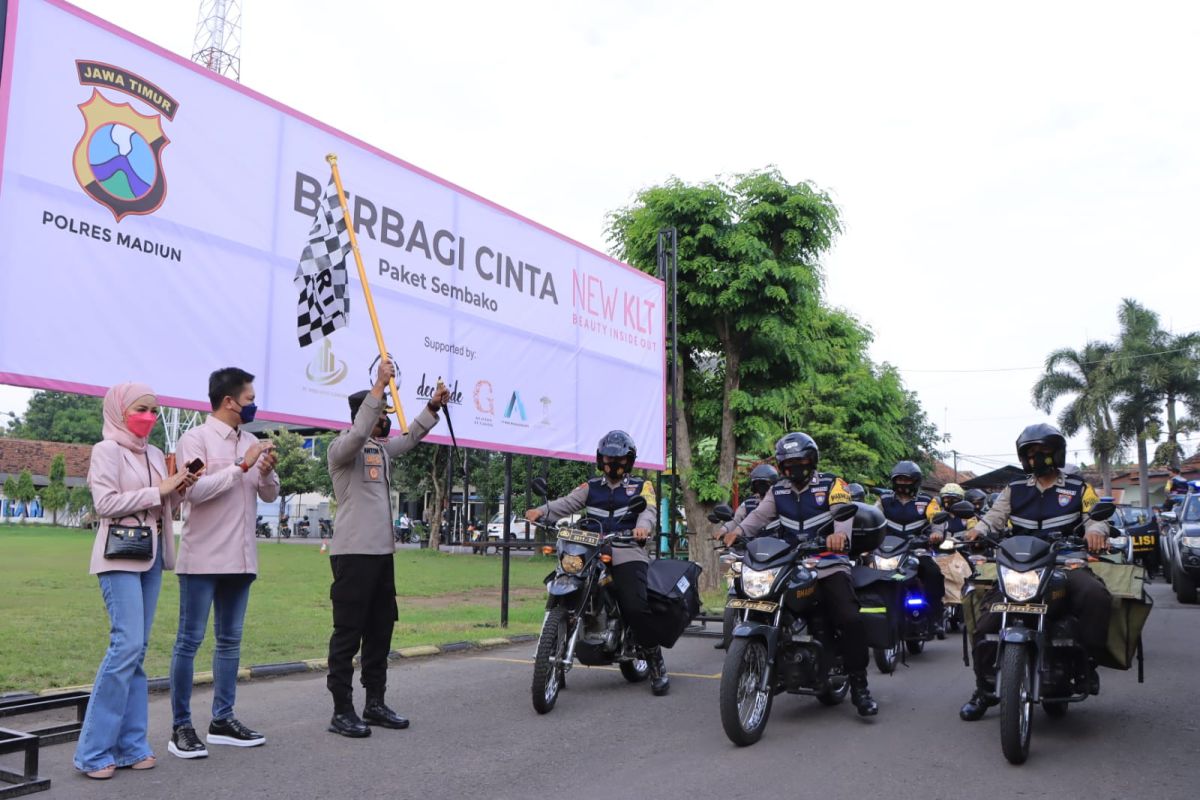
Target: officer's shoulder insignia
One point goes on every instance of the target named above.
(921, 507)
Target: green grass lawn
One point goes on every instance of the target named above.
(54, 628)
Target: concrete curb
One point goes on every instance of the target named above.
(259, 671)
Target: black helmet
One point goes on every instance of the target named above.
(616, 444)
(763, 474)
(992, 498)
(906, 469)
(790, 450)
(857, 492)
(1072, 469)
(1046, 435)
(976, 497)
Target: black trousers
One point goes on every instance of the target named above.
(364, 614)
(1089, 601)
(835, 593)
(934, 584)
(629, 588)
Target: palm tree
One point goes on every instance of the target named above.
(1086, 376)
(1136, 368)
(1175, 376)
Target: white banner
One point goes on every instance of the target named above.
(152, 215)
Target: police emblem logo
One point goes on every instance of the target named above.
(631, 490)
(118, 159)
(1064, 499)
(373, 473)
(819, 497)
(921, 507)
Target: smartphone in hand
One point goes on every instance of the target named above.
(195, 465)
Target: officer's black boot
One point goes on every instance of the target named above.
(660, 683)
(376, 712)
(860, 695)
(983, 699)
(347, 723)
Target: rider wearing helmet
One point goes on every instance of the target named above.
(951, 493)
(762, 478)
(1045, 503)
(905, 512)
(977, 498)
(801, 502)
(605, 499)
(857, 493)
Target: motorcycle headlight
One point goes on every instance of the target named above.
(887, 564)
(1020, 586)
(758, 583)
(1190, 541)
(571, 564)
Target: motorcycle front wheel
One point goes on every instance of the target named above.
(1016, 703)
(744, 708)
(547, 664)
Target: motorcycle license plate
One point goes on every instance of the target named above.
(753, 605)
(580, 537)
(1019, 608)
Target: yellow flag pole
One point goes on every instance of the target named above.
(362, 278)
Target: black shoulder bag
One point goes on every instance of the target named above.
(131, 542)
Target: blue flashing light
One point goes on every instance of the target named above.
(914, 602)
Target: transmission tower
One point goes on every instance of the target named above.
(218, 44)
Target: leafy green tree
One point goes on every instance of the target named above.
(60, 417)
(1142, 340)
(759, 353)
(10, 487)
(55, 496)
(299, 472)
(1085, 376)
(24, 492)
(79, 503)
(1175, 375)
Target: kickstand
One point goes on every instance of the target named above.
(966, 649)
(1141, 662)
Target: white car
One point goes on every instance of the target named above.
(495, 528)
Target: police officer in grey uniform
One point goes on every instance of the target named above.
(361, 554)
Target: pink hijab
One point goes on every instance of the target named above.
(118, 399)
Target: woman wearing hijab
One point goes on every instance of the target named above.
(130, 487)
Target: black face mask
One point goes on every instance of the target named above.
(614, 472)
(385, 427)
(1041, 464)
(904, 489)
(799, 474)
(760, 488)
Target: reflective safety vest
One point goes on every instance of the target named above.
(905, 519)
(801, 514)
(1056, 510)
(607, 504)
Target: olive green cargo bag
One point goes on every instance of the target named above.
(1131, 606)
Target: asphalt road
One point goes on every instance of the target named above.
(475, 735)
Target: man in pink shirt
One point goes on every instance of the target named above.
(218, 556)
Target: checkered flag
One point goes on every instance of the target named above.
(322, 277)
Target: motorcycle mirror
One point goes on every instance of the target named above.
(636, 506)
(722, 513)
(538, 487)
(1102, 511)
(941, 518)
(844, 511)
(963, 509)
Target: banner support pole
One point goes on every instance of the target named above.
(362, 278)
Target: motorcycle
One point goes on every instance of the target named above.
(325, 528)
(1039, 657)
(956, 558)
(262, 529)
(730, 562)
(782, 641)
(901, 556)
(302, 528)
(582, 620)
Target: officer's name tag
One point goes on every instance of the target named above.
(372, 465)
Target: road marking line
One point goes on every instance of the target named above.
(529, 661)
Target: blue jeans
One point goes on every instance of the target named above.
(114, 729)
(228, 596)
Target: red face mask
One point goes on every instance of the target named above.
(140, 424)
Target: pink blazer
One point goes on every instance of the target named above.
(123, 492)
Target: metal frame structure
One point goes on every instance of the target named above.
(668, 272)
(218, 42)
(30, 742)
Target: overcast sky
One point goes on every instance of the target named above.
(1006, 173)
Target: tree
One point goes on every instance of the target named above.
(24, 492)
(55, 496)
(750, 315)
(298, 471)
(1086, 375)
(60, 417)
(79, 503)
(10, 487)
(1141, 341)
(1175, 375)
